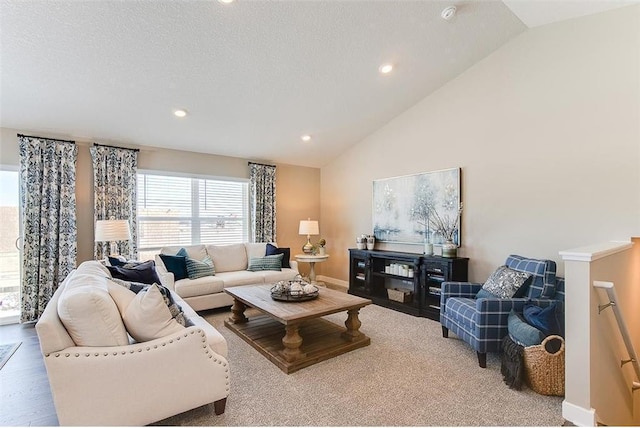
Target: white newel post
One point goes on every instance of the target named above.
(592, 371)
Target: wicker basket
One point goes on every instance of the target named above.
(544, 371)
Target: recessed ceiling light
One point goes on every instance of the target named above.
(306, 138)
(385, 68)
(448, 13)
(226, 1)
(180, 113)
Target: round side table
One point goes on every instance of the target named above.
(312, 260)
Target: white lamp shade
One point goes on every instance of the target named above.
(112, 230)
(309, 227)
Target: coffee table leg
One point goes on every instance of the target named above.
(292, 342)
(353, 325)
(237, 310)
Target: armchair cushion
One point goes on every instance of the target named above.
(506, 283)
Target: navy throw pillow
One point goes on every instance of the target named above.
(177, 265)
(521, 332)
(272, 250)
(549, 320)
(144, 272)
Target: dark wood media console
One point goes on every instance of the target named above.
(414, 279)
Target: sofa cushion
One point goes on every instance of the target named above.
(93, 267)
(271, 276)
(146, 315)
(197, 252)
(197, 269)
(228, 258)
(241, 277)
(88, 312)
(265, 263)
(177, 265)
(144, 272)
(255, 249)
(200, 286)
(286, 254)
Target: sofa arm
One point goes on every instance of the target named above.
(294, 265)
(166, 277)
(111, 385)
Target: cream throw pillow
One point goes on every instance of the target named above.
(145, 314)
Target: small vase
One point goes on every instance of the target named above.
(428, 249)
(322, 251)
(371, 242)
(449, 249)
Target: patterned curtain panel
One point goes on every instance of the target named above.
(115, 194)
(263, 202)
(48, 204)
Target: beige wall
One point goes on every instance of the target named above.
(546, 131)
(298, 188)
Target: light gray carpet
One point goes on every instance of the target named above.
(6, 351)
(409, 375)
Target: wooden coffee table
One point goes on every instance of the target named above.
(293, 335)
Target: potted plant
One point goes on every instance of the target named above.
(321, 244)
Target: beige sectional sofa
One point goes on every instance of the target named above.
(230, 263)
(100, 376)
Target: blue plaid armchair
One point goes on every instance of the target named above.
(482, 323)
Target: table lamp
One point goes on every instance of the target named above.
(308, 227)
(112, 231)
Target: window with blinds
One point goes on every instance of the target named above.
(175, 211)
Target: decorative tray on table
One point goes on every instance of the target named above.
(294, 290)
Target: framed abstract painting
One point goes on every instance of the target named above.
(418, 208)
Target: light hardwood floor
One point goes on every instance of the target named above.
(25, 397)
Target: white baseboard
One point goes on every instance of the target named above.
(333, 281)
(578, 416)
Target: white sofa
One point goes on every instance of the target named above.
(100, 376)
(230, 263)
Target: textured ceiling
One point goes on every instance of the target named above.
(253, 75)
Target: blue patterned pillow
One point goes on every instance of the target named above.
(200, 268)
(265, 263)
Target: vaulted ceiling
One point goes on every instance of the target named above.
(253, 76)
